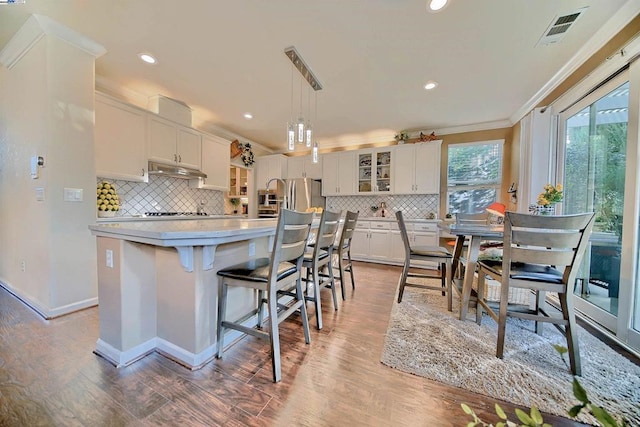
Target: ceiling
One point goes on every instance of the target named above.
(373, 57)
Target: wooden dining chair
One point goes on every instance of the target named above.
(273, 278)
(543, 254)
(414, 255)
(345, 265)
(319, 258)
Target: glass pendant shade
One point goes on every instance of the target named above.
(291, 136)
(300, 127)
(308, 135)
(314, 155)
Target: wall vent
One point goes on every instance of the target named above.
(559, 27)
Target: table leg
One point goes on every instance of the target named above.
(457, 252)
(467, 284)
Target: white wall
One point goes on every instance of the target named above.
(46, 109)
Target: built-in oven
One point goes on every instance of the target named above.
(268, 204)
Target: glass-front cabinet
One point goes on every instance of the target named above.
(374, 171)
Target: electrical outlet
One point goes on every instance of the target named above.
(109, 256)
(23, 266)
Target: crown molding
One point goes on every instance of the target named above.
(626, 13)
(36, 27)
(498, 124)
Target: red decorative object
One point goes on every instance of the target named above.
(426, 138)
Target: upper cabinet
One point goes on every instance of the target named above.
(215, 163)
(238, 179)
(268, 167)
(172, 143)
(120, 140)
(374, 171)
(303, 167)
(416, 168)
(339, 174)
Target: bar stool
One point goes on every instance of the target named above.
(424, 253)
(344, 249)
(319, 259)
(273, 278)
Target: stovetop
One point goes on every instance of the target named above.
(175, 214)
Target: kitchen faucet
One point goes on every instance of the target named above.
(284, 197)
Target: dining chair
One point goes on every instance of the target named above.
(345, 265)
(273, 278)
(543, 254)
(419, 254)
(318, 258)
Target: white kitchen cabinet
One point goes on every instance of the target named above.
(339, 174)
(172, 143)
(416, 168)
(268, 167)
(215, 164)
(303, 167)
(120, 140)
(419, 233)
(374, 171)
(371, 241)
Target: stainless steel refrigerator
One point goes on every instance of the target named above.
(304, 193)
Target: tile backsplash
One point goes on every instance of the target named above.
(414, 207)
(165, 194)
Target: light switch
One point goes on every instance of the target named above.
(73, 195)
(109, 258)
(40, 194)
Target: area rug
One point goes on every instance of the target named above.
(424, 339)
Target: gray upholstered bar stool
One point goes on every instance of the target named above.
(273, 278)
(424, 253)
(319, 259)
(344, 249)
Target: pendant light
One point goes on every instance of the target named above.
(291, 131)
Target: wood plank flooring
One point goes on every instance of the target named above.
(49, 375)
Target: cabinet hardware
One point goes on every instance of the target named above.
(175, 157)
(142, 172)
(179, 158)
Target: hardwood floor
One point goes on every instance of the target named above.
(49, 375)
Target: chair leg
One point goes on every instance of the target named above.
(274, 336)
(502, 318)
(540, 301)
(403, 279)
(353, 282)
(333, 285)
(260, 309)
(341, 270)
(222, 312)
(481, 285)
(449, 279)
(571, 332)
(303, 311)
(316, 297)
(443, 277)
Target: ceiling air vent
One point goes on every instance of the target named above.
(559, 27)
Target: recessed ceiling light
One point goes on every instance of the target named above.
(430, 85)
(437, 5)
(147, 58)
(248, 116)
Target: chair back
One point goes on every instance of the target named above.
(290, 240)
(558, 241)
(403, 234)
(327, 230)
(349, 226)
(481, 218)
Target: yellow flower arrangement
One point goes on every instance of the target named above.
(550, 195)
(107, 198)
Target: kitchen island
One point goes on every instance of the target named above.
(157, 284)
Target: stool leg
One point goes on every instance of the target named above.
(222, 309)
(274, 336)
(341, 270)
(260, 309)
(303, 311)
(316, 291)
(333, 285)
(353, 283)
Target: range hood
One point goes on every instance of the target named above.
(174, 171)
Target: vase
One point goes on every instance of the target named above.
(546, 210)
(106, 214)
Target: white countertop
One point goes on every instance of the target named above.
(393, 219)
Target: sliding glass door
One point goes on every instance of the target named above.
(593, 166)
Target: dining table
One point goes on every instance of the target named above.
(475, 234)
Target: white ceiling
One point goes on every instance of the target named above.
(226, 57)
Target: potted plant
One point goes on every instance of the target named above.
(235, 202)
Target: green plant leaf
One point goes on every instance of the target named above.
(574, 411)
(524, 417)
(603, 416)
(536, 416)
(560, 349)
(467, 410)
(472, 424)
(579, 392)
(500, 424)
(500, 412)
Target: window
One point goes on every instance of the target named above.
(474, 175)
